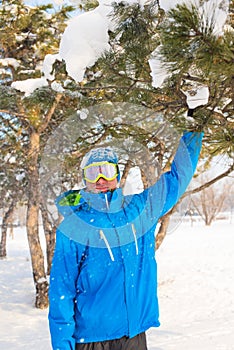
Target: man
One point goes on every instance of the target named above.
(103, 287)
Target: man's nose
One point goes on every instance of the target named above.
(101, 180)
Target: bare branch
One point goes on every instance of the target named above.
(50, 113)
(14, 113)
(211, 182)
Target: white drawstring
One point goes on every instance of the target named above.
(135, 239)
(107, 203)
(107, 245)
(102, 236)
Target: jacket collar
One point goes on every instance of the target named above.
(110, 201)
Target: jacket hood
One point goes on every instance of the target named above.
(110, 201)
(70, 201)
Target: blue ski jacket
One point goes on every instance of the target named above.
(103, 282)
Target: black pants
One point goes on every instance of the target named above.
(136, 343)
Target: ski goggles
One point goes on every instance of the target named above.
(93, 172)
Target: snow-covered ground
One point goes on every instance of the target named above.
(196, 292)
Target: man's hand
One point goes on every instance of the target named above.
(196, 98)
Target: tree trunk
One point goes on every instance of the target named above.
(49, 230)
(162, 230)
(6, 219)
(32, 224)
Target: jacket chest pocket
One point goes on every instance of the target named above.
(98, 270)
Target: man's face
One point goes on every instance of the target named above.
(101, 185)
(100, 176)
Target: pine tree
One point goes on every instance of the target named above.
(120, 78)
(198, 55)
(27, 34)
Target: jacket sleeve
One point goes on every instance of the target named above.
(165, 193)
(62, 291)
